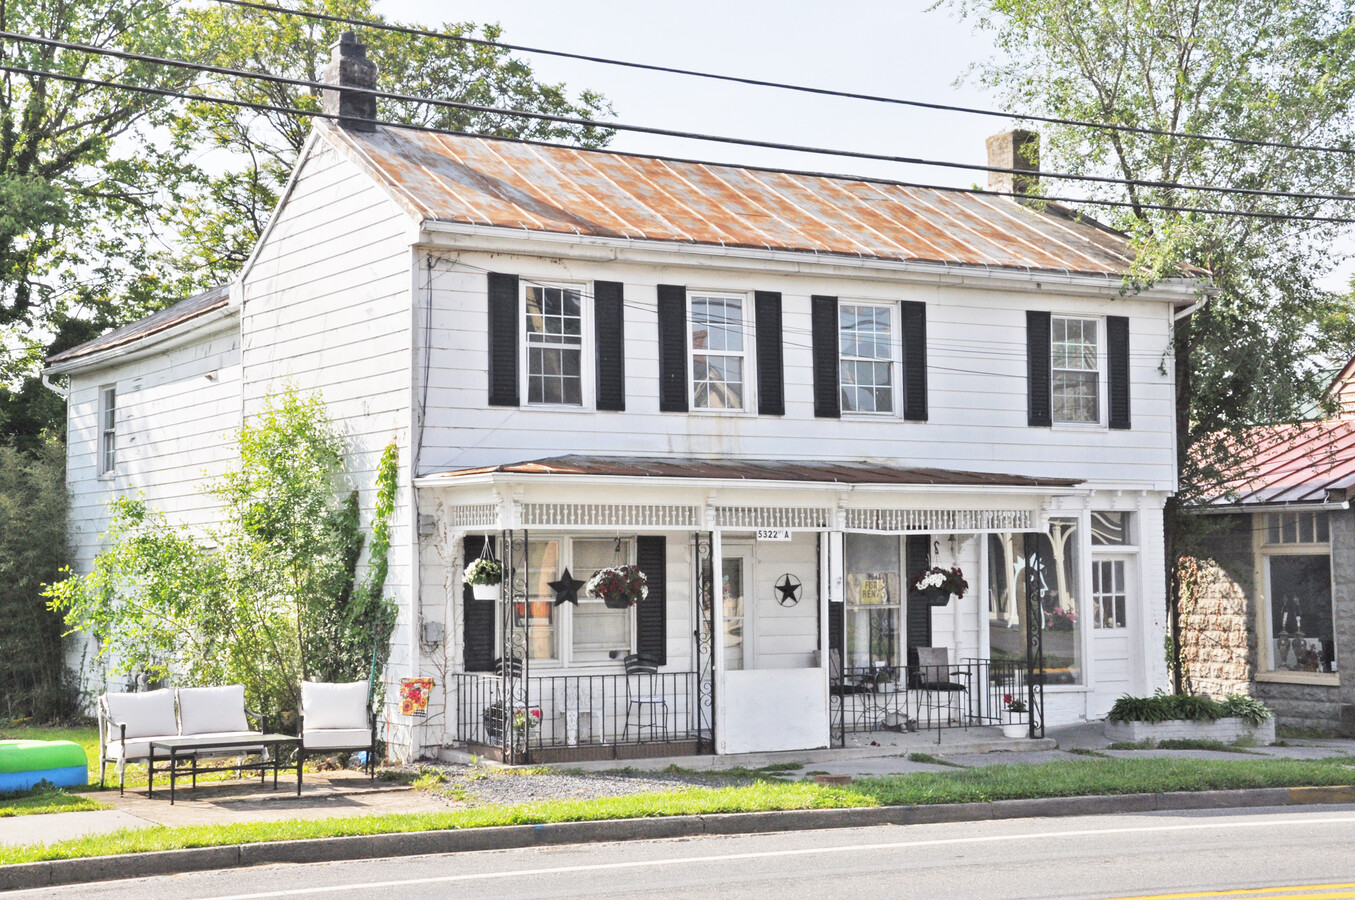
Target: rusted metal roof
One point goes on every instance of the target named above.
(757, 470)
(563, 190)
(1297, 463)
(183, 311)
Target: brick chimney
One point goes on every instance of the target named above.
(1015, 149)
(350, 67)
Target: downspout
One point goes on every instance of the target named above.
(63, 392)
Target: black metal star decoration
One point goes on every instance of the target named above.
(567, 588)
(788, 590)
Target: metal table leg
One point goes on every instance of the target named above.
(299, 754)
(150, 772)
(173, 771)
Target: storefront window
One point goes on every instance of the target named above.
(1050, 564)
(543, 567)
(874, 595)
(1296, 558)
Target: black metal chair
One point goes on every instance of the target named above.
(644, 693)
(929, 676)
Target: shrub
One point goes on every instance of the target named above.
(1164, 707)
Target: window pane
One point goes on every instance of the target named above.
(865, 368)
(598, 630)
(543, 567)
(717, 352)
(732, 594)
(554, 324)
(1300, 614)
(874, 593)
(1110, 528)
(1050, 564)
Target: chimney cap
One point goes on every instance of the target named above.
(349, 46)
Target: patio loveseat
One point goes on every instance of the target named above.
(129, 722)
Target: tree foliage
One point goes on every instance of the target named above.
(33, 548)
(271, 597)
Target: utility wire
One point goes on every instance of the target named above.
(1016, 195)
(668, 132)
(804, 89)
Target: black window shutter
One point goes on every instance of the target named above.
(771, 394)
(823, 321)
(477, 618)
(651, 613)
(1037, 369)
(503, 339)
(915, 361)
(672, 348)
(917, 556)
(609, 337)
(1117, 353)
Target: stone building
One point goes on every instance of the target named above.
(1268, 603)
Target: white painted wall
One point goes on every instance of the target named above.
(326, 308)
(977, 381)
(177, 412)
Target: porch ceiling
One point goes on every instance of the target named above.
(844, 473)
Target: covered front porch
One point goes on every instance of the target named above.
(780, 615)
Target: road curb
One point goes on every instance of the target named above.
(508, 837)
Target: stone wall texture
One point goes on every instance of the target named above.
(1218, 643)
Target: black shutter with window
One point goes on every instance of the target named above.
(477, 617)
(771, 395)
(651, 613)
(914, 361)
(916, 557)
(1037, 369)
(609, 335)
(672, 348)
(1117, 355)
(823, 321)
(503, 339)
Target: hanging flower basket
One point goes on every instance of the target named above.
(618, 587)
(483, 575)
(937, 584)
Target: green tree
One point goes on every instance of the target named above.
(272, 597)
(1260, 70)
(33, 548)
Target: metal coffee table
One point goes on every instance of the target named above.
(181, 751)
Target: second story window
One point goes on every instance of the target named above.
(108, 421)
(1076, 385)
(554, 331)
(719, 352)
(866, 357)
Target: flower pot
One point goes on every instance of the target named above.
(936, 597)
(617, 602)
(1015, 730)
(485, 591)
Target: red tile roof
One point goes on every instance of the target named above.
(562, 190)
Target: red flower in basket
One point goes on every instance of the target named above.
(618, 586)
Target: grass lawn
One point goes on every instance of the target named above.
(1082, 776)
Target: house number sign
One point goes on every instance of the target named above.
(773, 534)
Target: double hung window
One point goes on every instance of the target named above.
(554, 334)
(1076, 357)
(584, 632)
(866, 357)
(719, 348)
(108, 425)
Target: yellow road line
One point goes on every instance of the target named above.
(1268, 893)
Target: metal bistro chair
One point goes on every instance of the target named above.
(930, 677)
(644, 692)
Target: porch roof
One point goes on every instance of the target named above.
(847, 472)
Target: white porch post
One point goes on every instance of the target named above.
(718, 623)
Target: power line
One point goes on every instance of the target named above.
(668, 132)
(1016, 195)
(804, 89)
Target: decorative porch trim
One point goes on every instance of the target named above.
(773, 517)
(473, 515)
(928, 521)
(609, 514)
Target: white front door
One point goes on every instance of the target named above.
(772, 688)
(1113, 629)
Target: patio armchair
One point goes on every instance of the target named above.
(338, 717)
(932, 676)
(644, 693)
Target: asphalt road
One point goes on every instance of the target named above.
(1263, 854)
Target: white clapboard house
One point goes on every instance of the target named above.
(779, 394)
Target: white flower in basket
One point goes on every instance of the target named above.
(618, 586)
(483, 575)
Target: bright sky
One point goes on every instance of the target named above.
(897, 49)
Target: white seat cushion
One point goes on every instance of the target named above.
(136, 749)
(148, 714)
(327, 706)
(206, 710)
(337, 739)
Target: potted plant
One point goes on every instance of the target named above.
(1014, 706)
(937, 584)
(483, 575)
(618, 586)
(884, 680)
